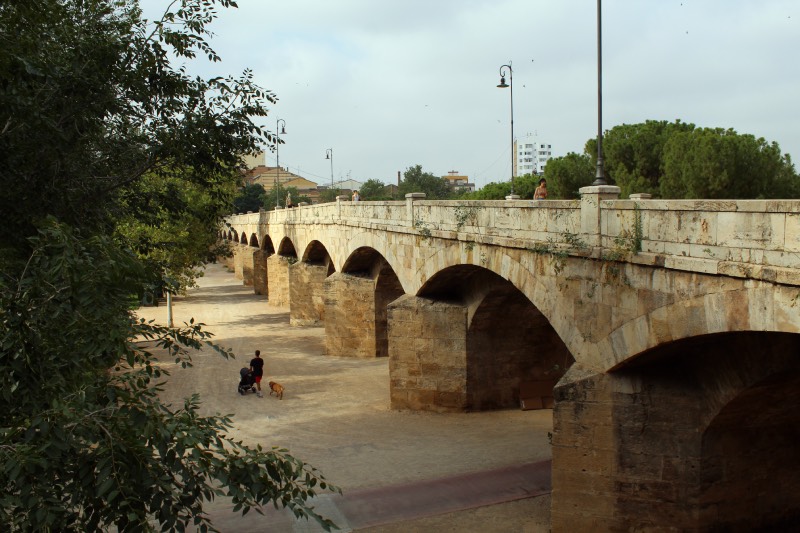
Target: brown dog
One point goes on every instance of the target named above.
(277, 388)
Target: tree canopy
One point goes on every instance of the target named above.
(116, 167)
(680, 160)
(415, 180)
(373, 189)
(566, 175)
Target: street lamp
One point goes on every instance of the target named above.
(280, 129)
(509, 85)
(329, 155)
(600, 177)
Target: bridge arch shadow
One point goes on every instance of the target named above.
(707, 431)
(480, 344)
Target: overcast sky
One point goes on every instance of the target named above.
(388, 84)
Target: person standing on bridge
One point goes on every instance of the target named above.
(356, 197)
(257, 368)
(541, 191)
(289, 200)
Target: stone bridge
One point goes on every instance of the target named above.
(670, 327)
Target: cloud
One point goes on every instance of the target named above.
(392, 84)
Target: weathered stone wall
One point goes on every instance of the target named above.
(387, 290)
(350, 316)
(510, 342)
(427, 355)
(307, 293)
(695, 436)
(248, 260)
(260, 284)
(278, 280)
(239, 251)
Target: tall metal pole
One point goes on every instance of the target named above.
(600, 177)
(278, 132)
(329, 155)
(510, 85)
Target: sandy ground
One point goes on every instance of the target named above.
(335, 415)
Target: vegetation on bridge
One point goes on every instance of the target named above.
(116, 169)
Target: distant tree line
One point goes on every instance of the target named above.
(677, 160)
(673, 160)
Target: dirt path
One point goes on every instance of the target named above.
(335, 415)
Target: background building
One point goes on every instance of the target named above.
(458, 182)
(531, 155)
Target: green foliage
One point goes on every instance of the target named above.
(524, 187)
(679, 160)
(717, 163)
(566, 175)
(85, 443)
(490, 191)
(415, 180)
(90, 104)
(278, 194)
(329, 195)
(116, 169)
(252, 197)
(373, 189)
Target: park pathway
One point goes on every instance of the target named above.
(399, 471)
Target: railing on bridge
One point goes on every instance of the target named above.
(757, 239)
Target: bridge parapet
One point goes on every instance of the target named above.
(757, 239)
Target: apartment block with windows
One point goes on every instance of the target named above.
(531, 155)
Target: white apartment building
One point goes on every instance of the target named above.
(531, 155)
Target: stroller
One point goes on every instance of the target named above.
(247, 381)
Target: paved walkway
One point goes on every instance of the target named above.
(399, 471)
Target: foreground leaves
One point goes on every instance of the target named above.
(85, 442)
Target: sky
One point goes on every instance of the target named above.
(390, 84)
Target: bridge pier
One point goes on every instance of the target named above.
(350, 316)
(278, 279)
(248, 261)
(427, 354)
(260, 277)
(306, 293)
(698, 436)
(238, 260)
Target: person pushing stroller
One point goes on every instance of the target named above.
(257, 370)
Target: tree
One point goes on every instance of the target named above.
(329, 195)
(717, 163)
(679, 160)
(566, 175)
(252, 197)
(373, 189)
(415, 180)
(116, 168)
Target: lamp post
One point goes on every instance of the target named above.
(600, 177)
(280, 129)
(329, 155)
(509, 85)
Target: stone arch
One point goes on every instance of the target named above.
(286, 248)
(254, 241)
(317, 254)
(763, 308)
(243, 238)
(371, 241)
(706, 430)
(266, 245)
(365, 287)
(512, 352)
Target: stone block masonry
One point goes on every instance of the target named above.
(427, 355)
(350, 316)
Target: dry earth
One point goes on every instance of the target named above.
(335, 415)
